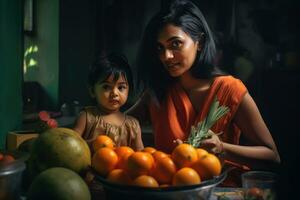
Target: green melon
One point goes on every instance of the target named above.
(59, 147)
(58, 184)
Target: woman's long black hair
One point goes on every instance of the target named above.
(186, 15)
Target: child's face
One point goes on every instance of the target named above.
(110, 94)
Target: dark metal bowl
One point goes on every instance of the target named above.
(189, 192)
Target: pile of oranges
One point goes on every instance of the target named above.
(186, 165)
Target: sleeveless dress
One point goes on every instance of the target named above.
(126, 134)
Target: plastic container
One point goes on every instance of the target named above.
(11, 176)
(125, 192)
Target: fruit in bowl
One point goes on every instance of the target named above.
(152, 176)
(163, 168)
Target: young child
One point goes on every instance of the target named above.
(110, 82)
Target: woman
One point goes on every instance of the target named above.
(176, 66)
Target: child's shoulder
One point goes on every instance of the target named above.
(90, 110)
(131, 120)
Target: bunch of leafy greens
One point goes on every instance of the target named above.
(201, 131)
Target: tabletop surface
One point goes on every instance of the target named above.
(220, 193)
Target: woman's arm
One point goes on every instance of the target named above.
(261, 144)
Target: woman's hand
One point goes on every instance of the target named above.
(213, 144)
(178, 141)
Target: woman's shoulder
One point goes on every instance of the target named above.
(229, 82)
(228, 79)
(230, 90)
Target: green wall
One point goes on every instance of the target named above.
(45, 36)
(10, 67)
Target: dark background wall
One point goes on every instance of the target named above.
(45, 36)
(77, 42)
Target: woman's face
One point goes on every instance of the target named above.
(112, 94)
(176, 49)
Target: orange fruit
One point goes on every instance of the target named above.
(150, 157)
(102, 141)
(201, 152)
(159, 154)
(139, 163)
(123, 153)
(164, 169)
(119, 176)
(104, 160)
(145, 181)
(207, 166)
(150, 150)
(184, 155)
(186, 176)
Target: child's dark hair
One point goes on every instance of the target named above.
(112, 64)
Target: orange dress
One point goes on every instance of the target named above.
(173, 118)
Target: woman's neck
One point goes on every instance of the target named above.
(189, 82)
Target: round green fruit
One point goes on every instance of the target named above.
(59, 147)
(58, 184)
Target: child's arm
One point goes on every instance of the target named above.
(80, 123)
(138, 142)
